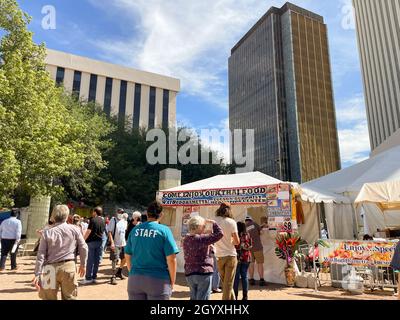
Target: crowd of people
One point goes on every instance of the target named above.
(219, 251)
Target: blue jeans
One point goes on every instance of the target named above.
(215, 278)
(241, 273)
(93, 261)
(200, 286)
(103, 245)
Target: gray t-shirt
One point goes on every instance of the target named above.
(253, 229)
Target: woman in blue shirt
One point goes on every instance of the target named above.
(151, 258)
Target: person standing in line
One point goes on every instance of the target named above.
(10, 235)
(104, 238)
(151, 258)
(76, 221)
(93, 237)
(84, 225)
(116, 233)
(55, 261)
(226, 251)
(199, 263)
(257, 251)
(215, 278)
(135, 221)
(244, 258)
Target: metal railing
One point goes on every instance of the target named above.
(371, 266)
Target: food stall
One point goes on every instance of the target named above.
(250, 194)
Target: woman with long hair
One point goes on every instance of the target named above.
(244, 258)
(226, 251)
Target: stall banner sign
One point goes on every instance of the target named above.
(358, 253)
(214, 197)
(188, 212)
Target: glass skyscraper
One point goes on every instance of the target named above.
(280, 85)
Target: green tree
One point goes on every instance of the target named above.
(92, 129)
(129, 178)
(43, 136)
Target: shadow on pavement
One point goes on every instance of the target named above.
(19, 290)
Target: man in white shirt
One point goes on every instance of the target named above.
(10, 235)
(116, 232)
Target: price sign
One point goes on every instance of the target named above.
(287, 226)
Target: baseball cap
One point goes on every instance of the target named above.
(249, 218)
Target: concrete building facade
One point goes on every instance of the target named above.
(148, 99)
(378, 30)
(280, 85)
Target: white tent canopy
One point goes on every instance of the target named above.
(383, 167)
(374, 179)
(380, 192)
(309, 194)
(250, 179)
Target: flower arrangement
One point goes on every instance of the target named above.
(287, 244)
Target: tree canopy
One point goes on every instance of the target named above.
(43, 135)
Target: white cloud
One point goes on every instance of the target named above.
(351, 111)
(353, 130)
(354, 144)
(191, 40)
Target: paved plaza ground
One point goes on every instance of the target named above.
(16, 285)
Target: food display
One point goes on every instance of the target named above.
(360, 253)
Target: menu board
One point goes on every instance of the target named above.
(279, 208)
(188, 212)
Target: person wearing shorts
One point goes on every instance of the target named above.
(116, 233)
(257, 253)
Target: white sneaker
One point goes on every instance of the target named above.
(86, 282)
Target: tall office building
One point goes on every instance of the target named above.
(378, 30)
(280, 85)
(148, 99)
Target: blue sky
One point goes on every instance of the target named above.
(191, 40)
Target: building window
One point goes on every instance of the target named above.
(60, 75)
(122, 103)
(165, 120)
(152, 108)
(107, 96)
(92, 87)
(136, 107)
(76, 87)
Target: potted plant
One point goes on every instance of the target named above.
(287, 244)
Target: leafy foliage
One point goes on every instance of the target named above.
(129, 178)
(43, 136)
(287, 244)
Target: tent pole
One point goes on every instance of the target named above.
(319, 217)
(356, 227)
